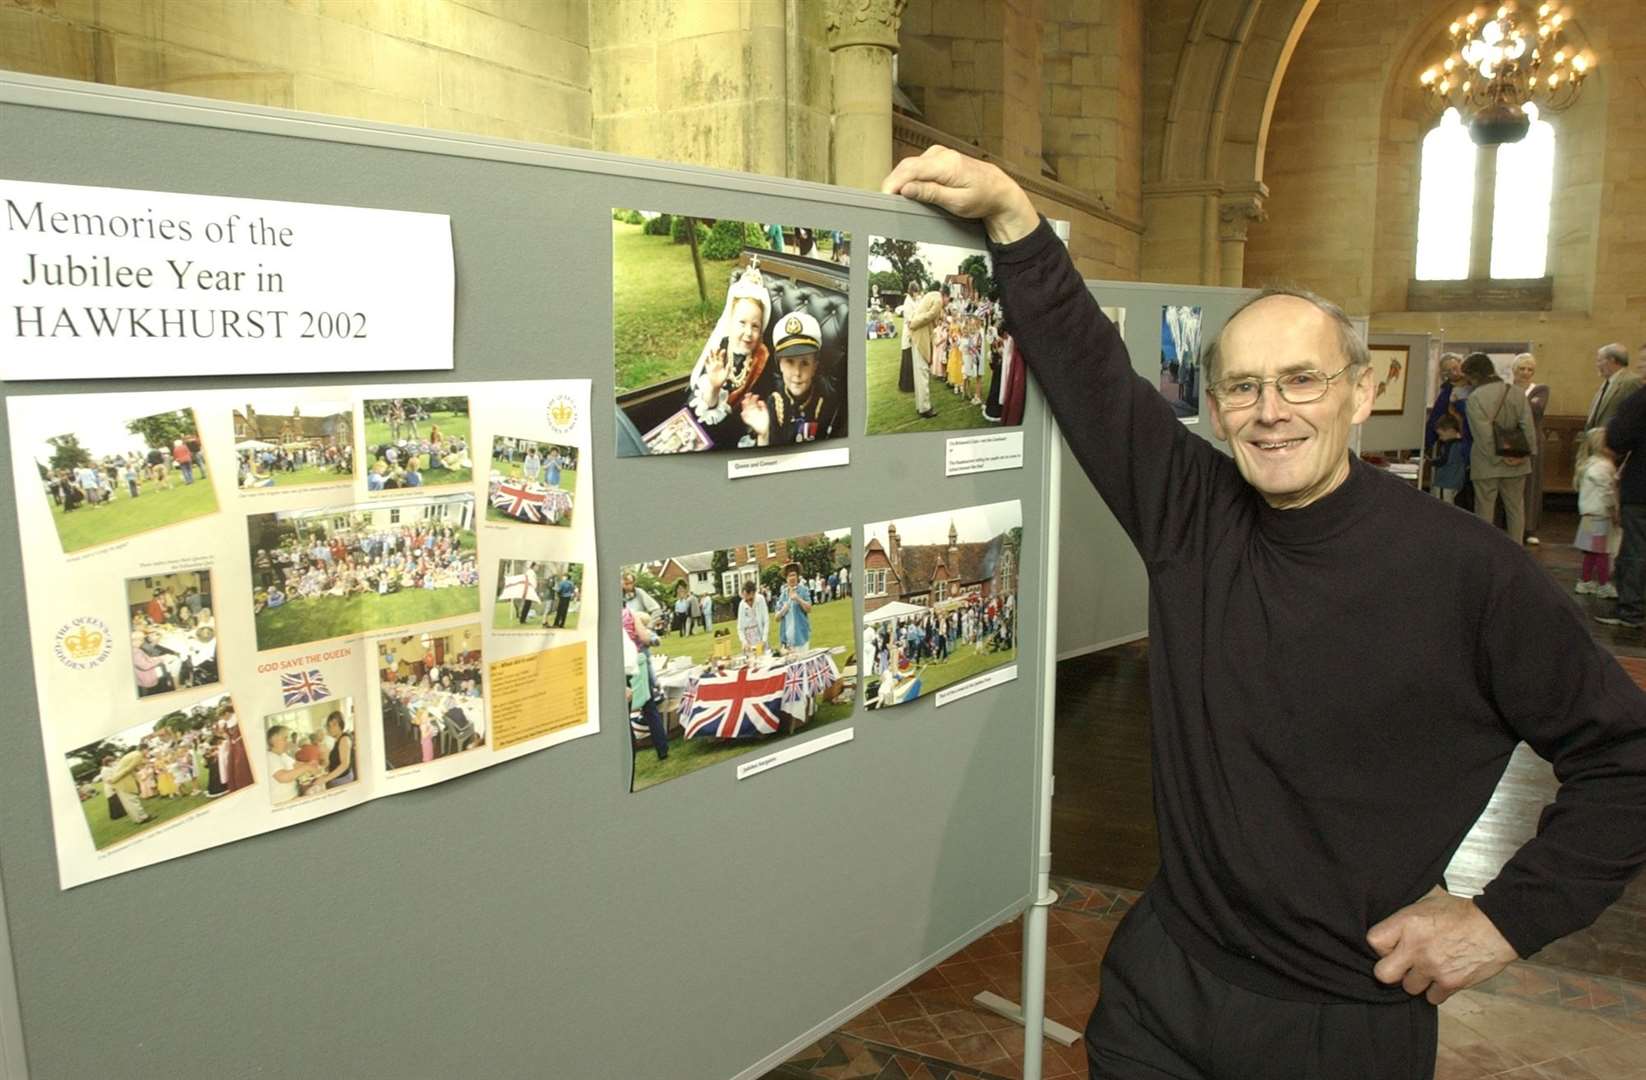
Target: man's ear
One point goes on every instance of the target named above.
(1364, 390)
(1216, 414)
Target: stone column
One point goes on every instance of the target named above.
(1235, 215)
(862, 39)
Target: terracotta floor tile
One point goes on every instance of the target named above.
(937, 1048)
(952, 1024)
(1617, 1061)
(1451, 1065)
(900, 1007)
(909, 1033)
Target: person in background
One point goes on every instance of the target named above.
(1618, 383)
(1496, 406)
(1597, 503)
(638, 640)
(753, 620)
(794, 606)
(1537, 396)
(1449, 458)
(1626, 436)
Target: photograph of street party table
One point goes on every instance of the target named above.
(531, 482)
(115, 475)
(940, 599)
(284, 443)
(731, 650)
(173, 632)
(432, 688)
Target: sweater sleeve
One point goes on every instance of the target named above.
(1154, 474)
(1571, 701)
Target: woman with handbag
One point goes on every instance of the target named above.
(1500, 421)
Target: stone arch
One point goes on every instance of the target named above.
(1203, 181)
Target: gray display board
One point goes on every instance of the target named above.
(534, 919)
(1106, 589)
(1402, 430)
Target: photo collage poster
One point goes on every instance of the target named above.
(939, 600)
(250, 608)
(727, 334)
(733, 650)
(938, 357)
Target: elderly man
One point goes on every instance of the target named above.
(920, 314)
(1311, 787)
(1617, 383)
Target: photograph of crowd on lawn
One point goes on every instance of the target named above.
(160, 769)
(287, 444)
(939, 599)
(310, 749)
(348, 569)
(731, 650)
(938, 356)
(417, 442)
(108, 481)
(727, 334)
(531, 483)
(1180, 359)
(432, 695)
(173, 632)
(534, 594)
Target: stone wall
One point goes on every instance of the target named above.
(1091, 104)
(1341, 169)
(510, 68)
(737, 84)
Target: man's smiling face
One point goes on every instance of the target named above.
(1292, 454)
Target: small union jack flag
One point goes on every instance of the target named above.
(519, 501)
(743, 705)
(304, 687)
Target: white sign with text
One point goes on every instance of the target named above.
(743, 468)
(108, 283)
(967, 454)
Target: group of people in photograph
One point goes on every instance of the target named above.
(436, 707)
(959, 341)
(402, 463)
(168, 765)
(100, 482)
(173, 641)
(306, 765)
(420, 555)
(539, 594)
(264, 467)
(975, 624)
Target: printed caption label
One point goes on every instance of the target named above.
(794, 753)
(993, 452)
(768, 466)
(972, 686)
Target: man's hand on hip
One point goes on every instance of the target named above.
(1438, 946)
(965, 187)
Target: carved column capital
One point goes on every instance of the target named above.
(863, 22)
(1236, 215)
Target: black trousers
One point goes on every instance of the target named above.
(1630, 574)
(1162, 1016)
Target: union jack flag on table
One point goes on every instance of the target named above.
(744, 704)
(303, 687)
(526, 501)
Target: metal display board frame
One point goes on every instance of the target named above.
(536, 918)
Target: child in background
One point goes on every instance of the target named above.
(1449, 458)
(1597, 502)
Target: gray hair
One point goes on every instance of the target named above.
(1616, 353)
(1350, 344)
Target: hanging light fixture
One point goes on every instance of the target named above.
(1502, 59)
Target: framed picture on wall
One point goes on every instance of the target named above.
(1390, 366)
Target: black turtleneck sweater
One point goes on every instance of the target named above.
(1336, 689)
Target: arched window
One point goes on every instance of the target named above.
(1483, 219)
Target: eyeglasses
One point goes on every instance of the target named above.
(1296, 387)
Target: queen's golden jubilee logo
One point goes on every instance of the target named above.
(562, 414)
(83, 643)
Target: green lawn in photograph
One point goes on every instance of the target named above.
(315, 618)
(831, 625)
(962, 664)
(450, 424)
(689, 755)
(503, 617)
(568, 482)
(89, 525)
(105, 832)
(305, 476)
(659, 319)
(891, 411)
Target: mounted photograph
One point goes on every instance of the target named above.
(531, 482)
(432, 695)
(727, 334)
(939, 599)
(282, 443)
(731, 650)
(173, 632)
(416, 442)
(310, 749)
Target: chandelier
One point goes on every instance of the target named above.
(1503, 61)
